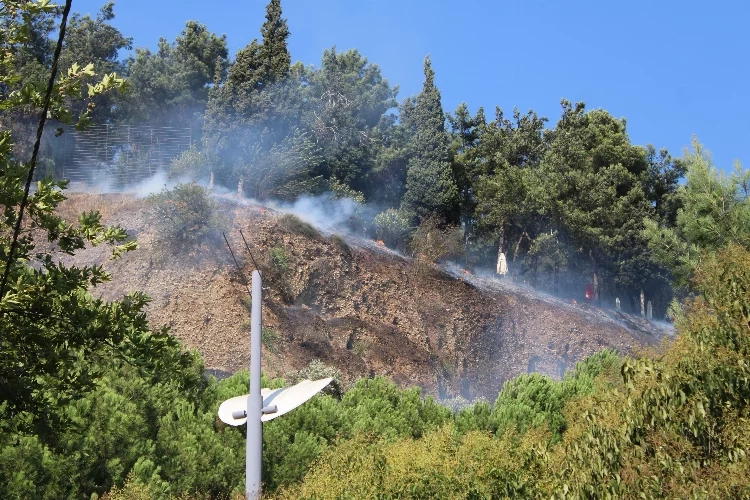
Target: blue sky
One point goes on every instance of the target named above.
(672, 68)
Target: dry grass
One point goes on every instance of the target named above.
(107, 205)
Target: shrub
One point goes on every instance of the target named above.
(294, 224)
(360, 348)
(186, 216)
(279, 259)
(392, 227)
(190, 163)
(317, 370)
(435, 242)
(270, 338)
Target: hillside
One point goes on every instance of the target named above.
(354, 305)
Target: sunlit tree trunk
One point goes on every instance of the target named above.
(595, 267)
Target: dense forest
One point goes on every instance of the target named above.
(95, 401)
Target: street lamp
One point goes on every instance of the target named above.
(262, 405)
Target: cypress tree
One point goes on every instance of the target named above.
(274, 53)
(430, 186)
(248, 114)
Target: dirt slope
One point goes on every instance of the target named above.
(353, 305)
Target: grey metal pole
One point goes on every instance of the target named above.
(254, 451)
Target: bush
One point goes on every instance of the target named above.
(392, 228)
(294, 224)
(279, 259)
(186, 216)
(434, 242)
(190, 163)
(317, 370)
(270, 338)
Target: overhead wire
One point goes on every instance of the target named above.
(35, 152)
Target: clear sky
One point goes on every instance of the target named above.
(672, 68)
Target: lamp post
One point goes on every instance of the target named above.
(261, 405)
(254, 447)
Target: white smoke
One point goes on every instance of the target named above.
(154, 184)
(325, 213)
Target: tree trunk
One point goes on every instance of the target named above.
(643, 304)
(595, 267)
(518, 245)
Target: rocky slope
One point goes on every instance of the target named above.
(354, 305)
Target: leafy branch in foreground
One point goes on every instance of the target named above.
(51, 329)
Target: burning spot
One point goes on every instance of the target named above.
(589, 292)
(380, 242)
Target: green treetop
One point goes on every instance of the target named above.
(274, 54)
(430, 186)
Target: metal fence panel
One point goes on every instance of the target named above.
(121, 154)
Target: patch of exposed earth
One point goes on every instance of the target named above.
(354, 305)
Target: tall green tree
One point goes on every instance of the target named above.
(714, 212)
(500, 170)
(430, 186)
(465, 134)
(274, 54)
(347, 99)
(591, 177)
(256, 113)
(171, 86)
(96, 41)
(661, 183)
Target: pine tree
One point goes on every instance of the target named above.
(253, 115)
(430, 186)
(274, 53)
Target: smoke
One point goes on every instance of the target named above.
(342, 215)
(154, 184)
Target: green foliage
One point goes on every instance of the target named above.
(359, 348)
(92, 399)
(715, 212)
(95, 41)
(340, 190)
(279, 259)
(190, 163)
(430, 186)
(50, 321)
(316, 370)
(294, 224)
(683, 417)
(378, 407)
(392, 228)
(532, 400)
(346, 101)
(270, 338)
(186, 216)
(172, 85)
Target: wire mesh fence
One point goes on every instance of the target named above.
(121, 155)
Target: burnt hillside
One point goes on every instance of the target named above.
(353, 305)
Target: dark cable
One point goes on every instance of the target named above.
(249, 252)
(249, 293)
(32, 163)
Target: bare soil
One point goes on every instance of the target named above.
(352, 304)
